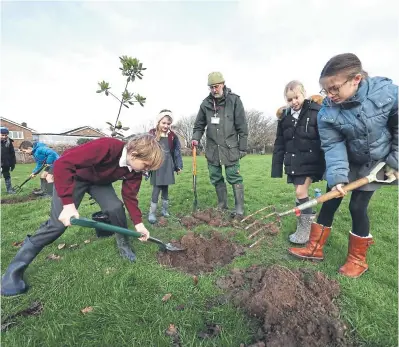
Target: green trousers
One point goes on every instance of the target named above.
(232, 174)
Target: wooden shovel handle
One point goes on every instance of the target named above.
(195, 160)
(349, 187)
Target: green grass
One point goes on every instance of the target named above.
(126, 297)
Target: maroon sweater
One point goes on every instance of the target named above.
(97, 162)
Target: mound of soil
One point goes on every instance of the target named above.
(201, 254)
(296, 308)
(216, 218)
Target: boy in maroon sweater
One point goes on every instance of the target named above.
(90, 168)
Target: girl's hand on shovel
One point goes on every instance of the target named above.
(339, 187)
(67, 213)
(140, 228)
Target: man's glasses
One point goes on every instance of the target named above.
(215, 86)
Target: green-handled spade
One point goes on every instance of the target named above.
(89, 223)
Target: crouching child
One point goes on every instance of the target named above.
(44, 156)
(90, 168)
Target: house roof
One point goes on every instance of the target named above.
(17, 124)
(70, 132)
(58, 134)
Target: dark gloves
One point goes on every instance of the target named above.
(12, 167)
(242, 154)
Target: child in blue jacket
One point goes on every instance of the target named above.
(43, 155)
(358, 127)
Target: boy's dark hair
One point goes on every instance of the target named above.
(165, 110)
(346, 63)
(26, 145)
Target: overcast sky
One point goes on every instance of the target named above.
(54, 53)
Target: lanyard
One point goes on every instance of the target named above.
(214, 109)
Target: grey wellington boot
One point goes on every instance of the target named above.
(125, 249)
(49, 189)
(9, 187)
(12, 282)
(238, 190)
(43, 188)
(221, 192)
(301, 235)
(152, 216)
(165, 207)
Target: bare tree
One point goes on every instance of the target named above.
(184, 127)
(147, 126)
(261, 130)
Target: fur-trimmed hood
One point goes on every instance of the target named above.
(318, 99)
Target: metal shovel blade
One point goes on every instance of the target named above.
(165, 246)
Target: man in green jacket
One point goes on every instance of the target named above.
(222, 114)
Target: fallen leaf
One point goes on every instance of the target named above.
(61, 245)
(195, 280)
(53, 257)
(74, 245)
(180, 307)
(87, 309)
(174, 334)
(166, 297)
(87, 241)
(171, 331)
(17, 244)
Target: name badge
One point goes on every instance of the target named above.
(215, 120)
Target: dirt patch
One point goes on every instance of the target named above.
(296, 308)
(162, 222)
(19, 199)
(34, 309)
(217, 218)
(201, 254)
(189, 222)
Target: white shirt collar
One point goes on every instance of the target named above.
(123, 161)
(295, 114)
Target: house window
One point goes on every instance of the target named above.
(16, 135)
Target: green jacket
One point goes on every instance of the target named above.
(225, 140)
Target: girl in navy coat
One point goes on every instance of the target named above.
(358, 126)
(164, 176)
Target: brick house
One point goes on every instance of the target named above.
(18, 132)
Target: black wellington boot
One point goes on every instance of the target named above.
(125, 249)
(238, 190)
(12, 282)
(221, 192)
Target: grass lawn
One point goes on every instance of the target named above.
(127, 298)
